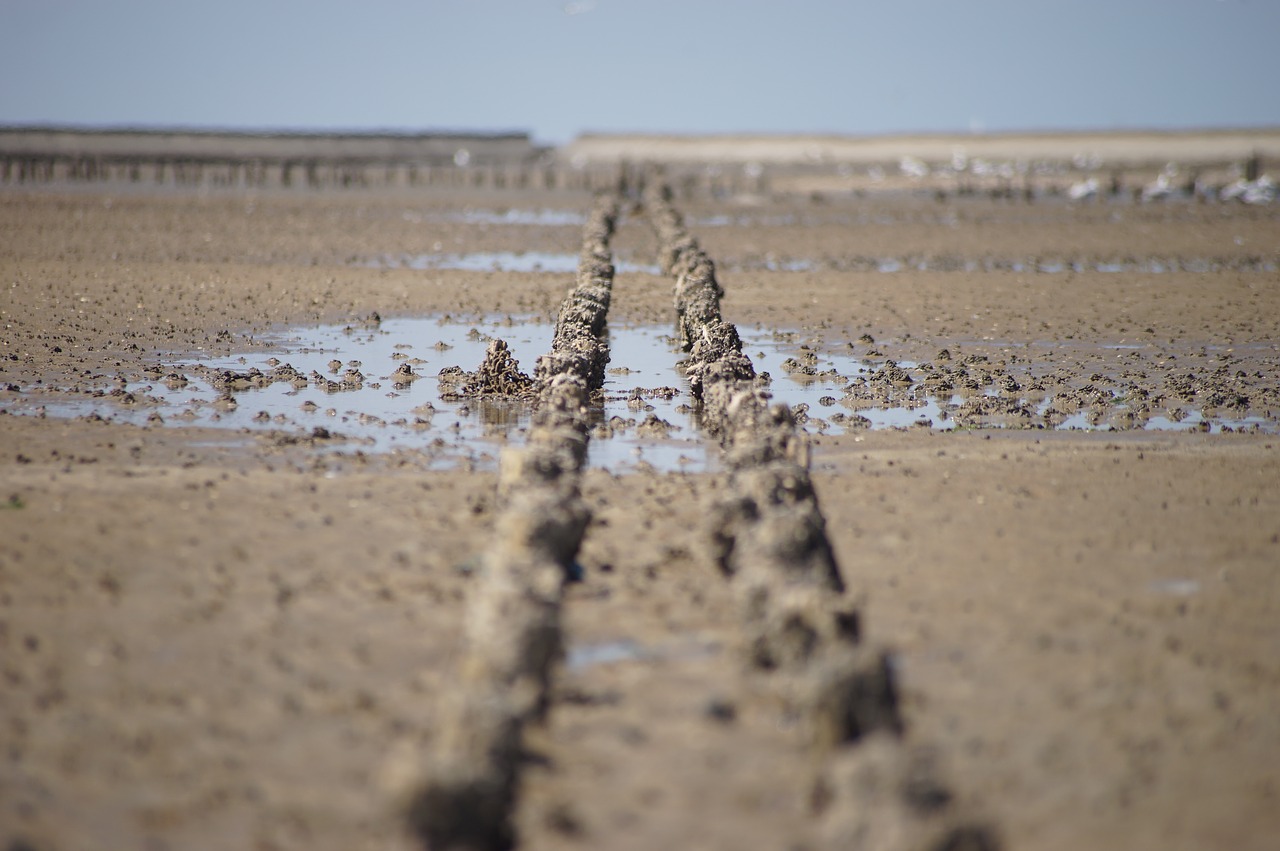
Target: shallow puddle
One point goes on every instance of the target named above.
(896, 265)
(345, 387)
(1191, 421)
(344, 384)
(679, 648)
(501, 261)
(1175, 587)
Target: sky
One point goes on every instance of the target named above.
(558, 68)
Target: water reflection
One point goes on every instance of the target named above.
(375, 385)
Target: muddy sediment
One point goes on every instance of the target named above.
(211, 636)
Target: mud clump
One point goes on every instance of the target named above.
(1143, 388)
(315, 437)
(655, 427)
(403, 376)
(498, 375)
(228, 381)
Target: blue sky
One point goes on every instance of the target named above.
(561, 67)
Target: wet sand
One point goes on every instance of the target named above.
(212, 639)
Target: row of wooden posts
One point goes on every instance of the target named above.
(20, 169)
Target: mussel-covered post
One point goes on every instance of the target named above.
(514, 640)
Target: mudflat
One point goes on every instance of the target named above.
(217, 637)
